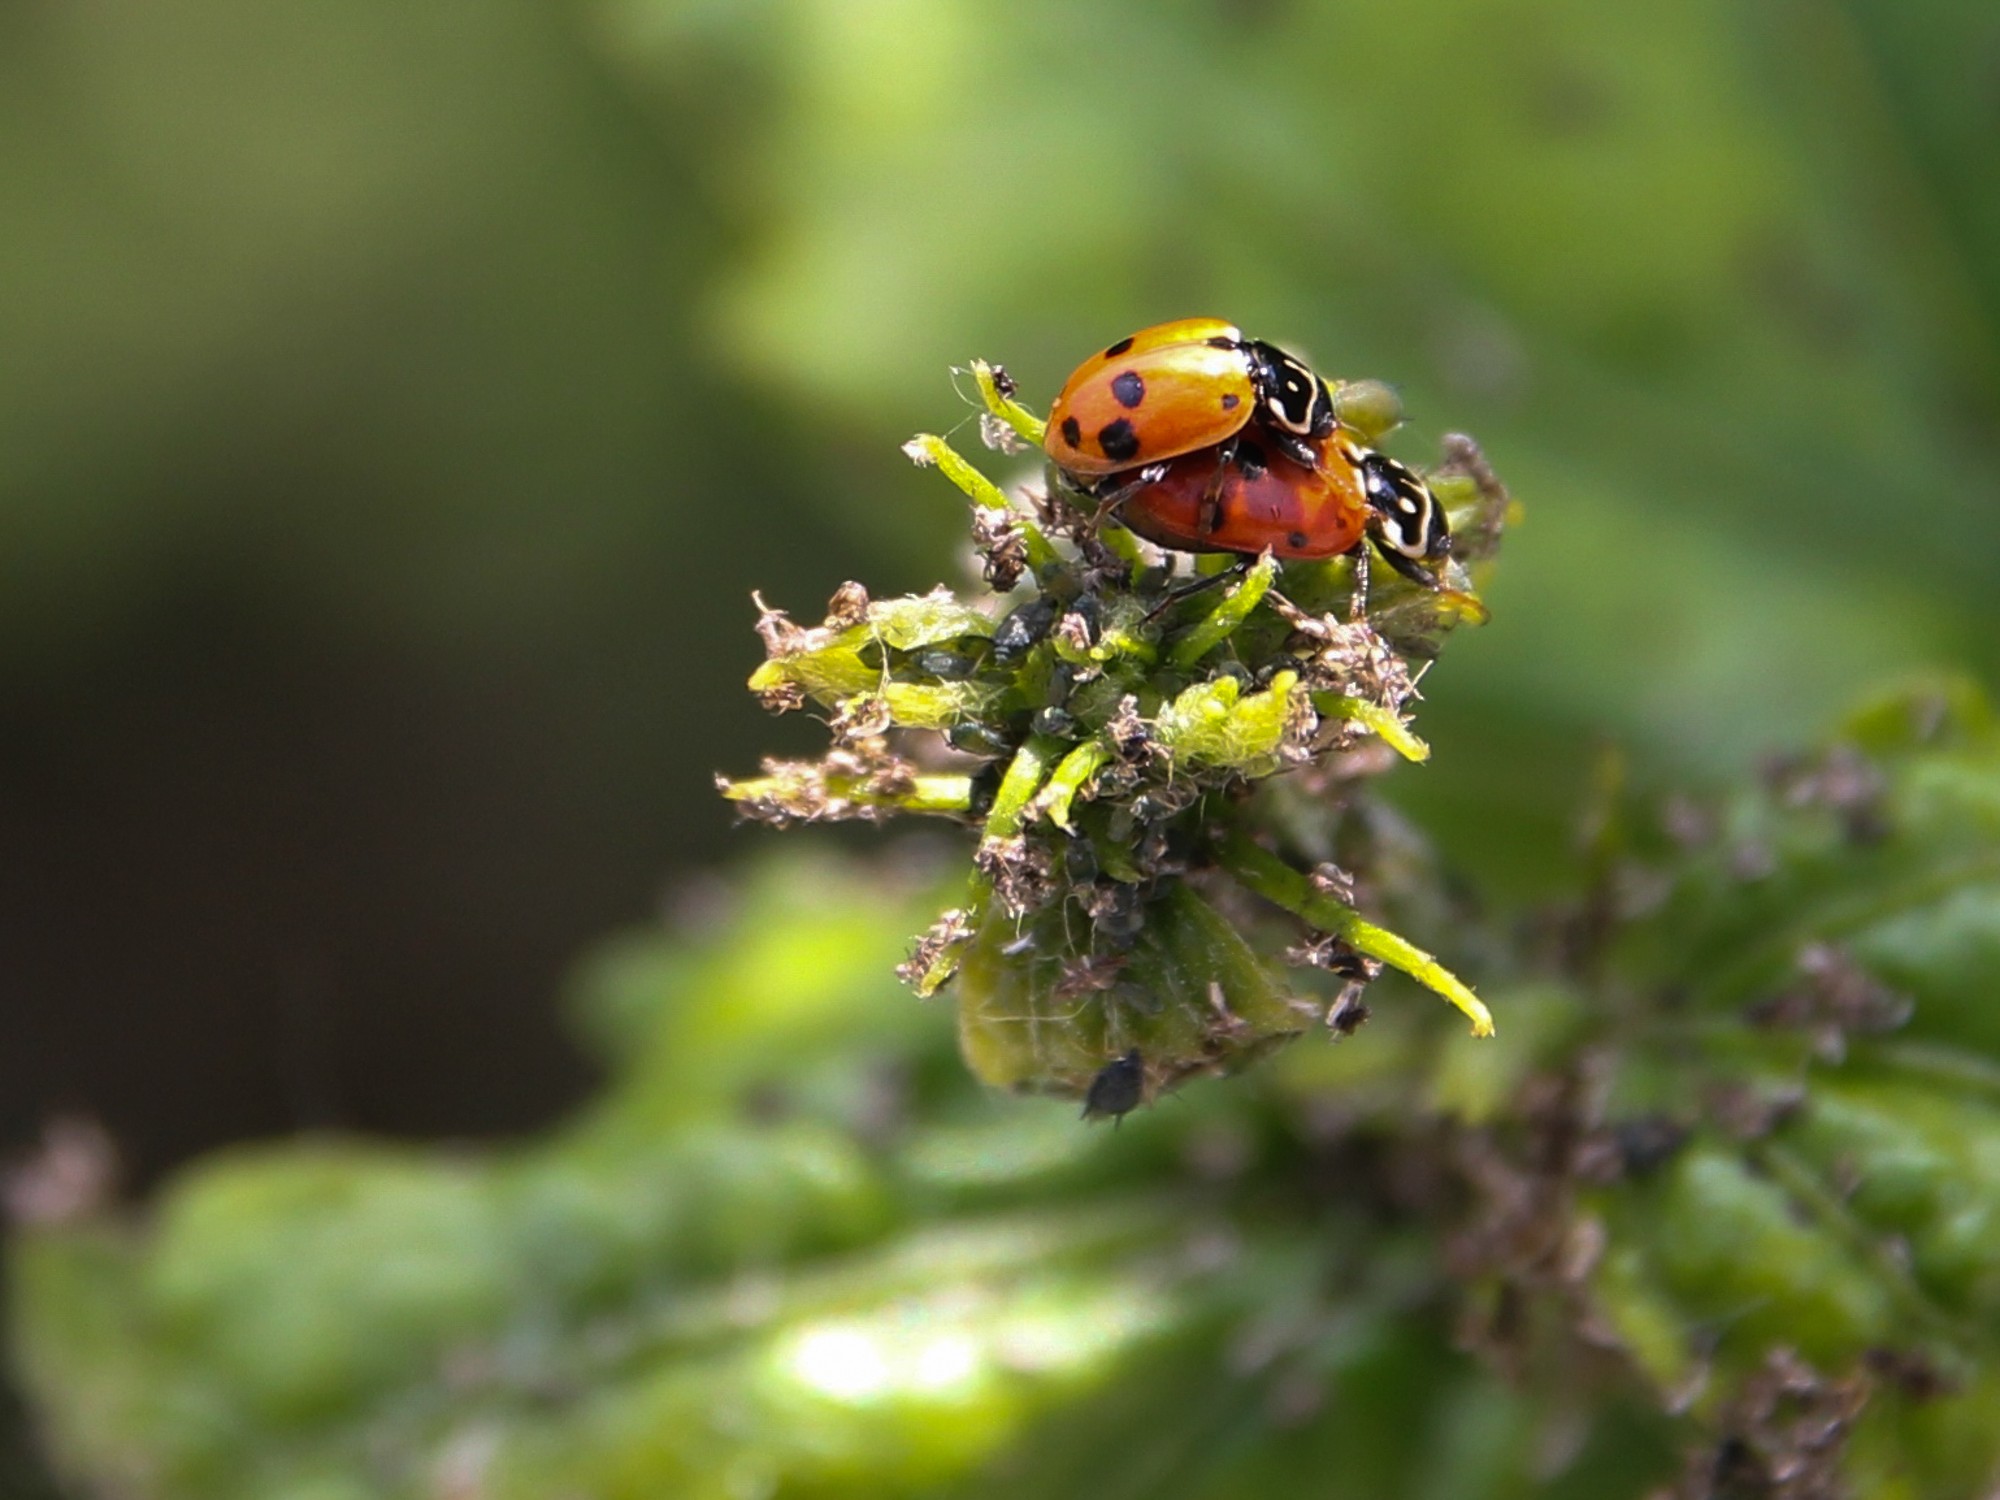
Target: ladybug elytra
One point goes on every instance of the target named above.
(1238, 498)
(1179, 387)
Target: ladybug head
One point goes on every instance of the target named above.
(1290, 395)
(1409, 518)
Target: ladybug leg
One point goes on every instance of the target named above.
(1357, 608)
(1193, 586)
(1208, 515)
(1114, 491)
(1405, 521)
(1467, 605)
(1410, 568)
(1299, 450)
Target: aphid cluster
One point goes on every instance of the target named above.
(1116, 732)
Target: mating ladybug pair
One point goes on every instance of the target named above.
(1206, 441)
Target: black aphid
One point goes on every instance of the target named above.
(1117, 1090)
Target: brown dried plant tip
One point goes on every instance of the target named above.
(1135, 745)
(1784, 1433)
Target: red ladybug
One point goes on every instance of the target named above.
(1238, 498)
(1180, 387)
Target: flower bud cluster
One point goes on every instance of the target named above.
(1107, 723)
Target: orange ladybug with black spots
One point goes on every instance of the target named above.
(1179, 387)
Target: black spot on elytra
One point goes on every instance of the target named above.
(1118, 441)
(1223, 341)
(1072, 431)
(1298, 539)
(1230, 401)
(1118, 348)
(1128, 389)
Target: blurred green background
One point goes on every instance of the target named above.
(399, 400)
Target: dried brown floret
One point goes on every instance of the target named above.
(1783, 1433)
(71, 1178)
(1003, 550)
(1021, 872)
(1840, 779)
(930, 954)
(861, 779)
(1833, 998)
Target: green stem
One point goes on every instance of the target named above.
(1067, 780)
(1017, 788)
(1231, 611)
(1944, 1064)
(1392, 731)
(928, 448)
(939, 794)
(1125, 546)
(927, 794)
(1277, 882)
(1117, 644)
(1006, 408)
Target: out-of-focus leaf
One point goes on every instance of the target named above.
(795, 1248)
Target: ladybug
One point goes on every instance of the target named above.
(1180, 387)
(1238, 498)
(1243, 499)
